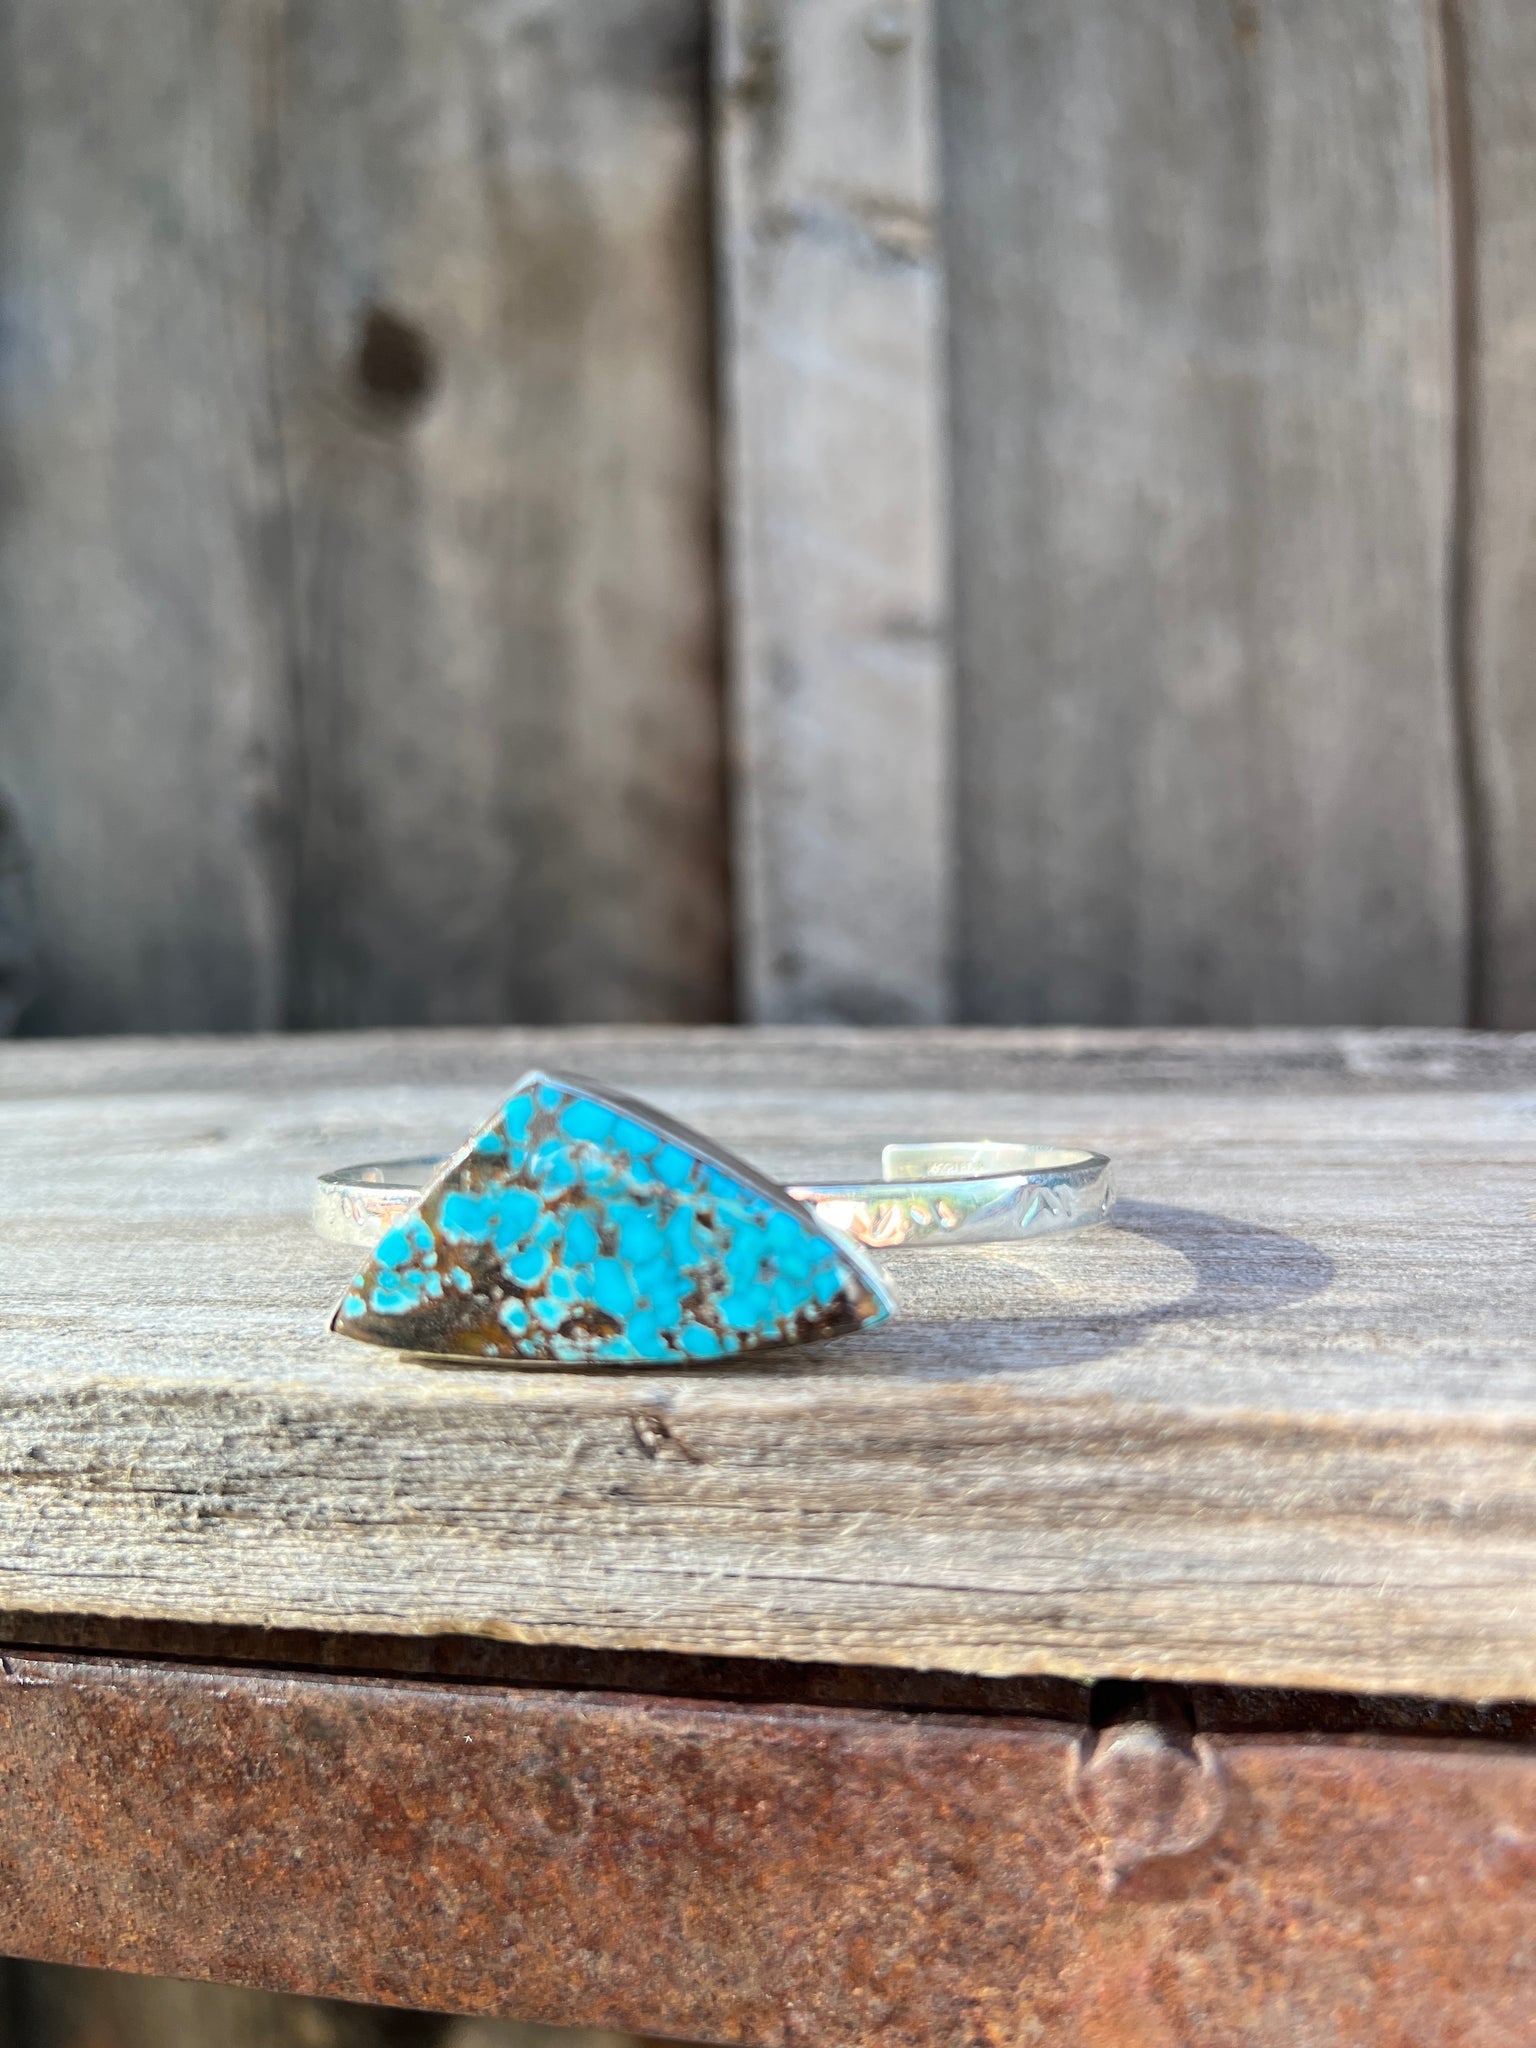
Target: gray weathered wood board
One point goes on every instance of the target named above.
(357, 611)
(1489, 87)
(1204, 503)
(357, 616)
(837, 539)
(1278, 1426)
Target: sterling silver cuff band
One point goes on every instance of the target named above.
(962, 1193)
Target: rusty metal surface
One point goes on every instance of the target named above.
(766, 1875)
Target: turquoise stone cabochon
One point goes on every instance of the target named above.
(580, 1228)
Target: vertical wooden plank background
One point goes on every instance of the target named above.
(833, 384)
(138, 649)
(357, 609)
(359, 624)
(1203, 414)
(1489, 71)
(503, 601)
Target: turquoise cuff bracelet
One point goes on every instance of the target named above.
(581, 1227)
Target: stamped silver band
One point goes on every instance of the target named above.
(969, 1192)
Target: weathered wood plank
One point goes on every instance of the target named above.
(18, 926)
(1489, 66)
(834, 401)
(503, 570)
(356, 585)
(142, 737)
(1208, 764)
(779, 1062)
(1279, 1427)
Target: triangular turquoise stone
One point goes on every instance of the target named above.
(580, 1228)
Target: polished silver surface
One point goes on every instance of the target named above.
(963, 1192)
(967, 1192)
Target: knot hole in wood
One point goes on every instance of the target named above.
(396, 366)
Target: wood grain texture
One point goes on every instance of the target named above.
(18, 925)
(1489, 64)
(1207, 737)
(142, 734)
(356, 586)
(503, 595)
(837, 535)
(1278, 1427)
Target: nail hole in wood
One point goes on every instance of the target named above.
(397, 369)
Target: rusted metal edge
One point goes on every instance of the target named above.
(766, 1875)
(1210, 1708)
(562, 1667)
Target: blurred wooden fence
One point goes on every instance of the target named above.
(409, 416)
